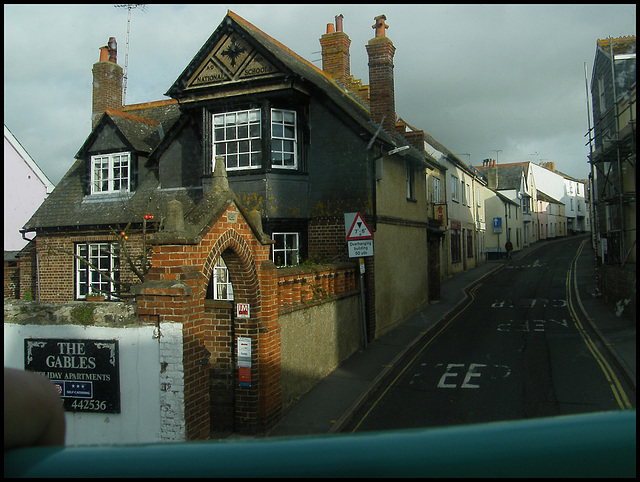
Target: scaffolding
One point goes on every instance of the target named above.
(612, 148)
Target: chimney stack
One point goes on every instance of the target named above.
(107, 82)
(491, 173)
(335, 51)
(382, 104)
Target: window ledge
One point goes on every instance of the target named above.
(107, 197)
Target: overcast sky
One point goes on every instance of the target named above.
(477, 78)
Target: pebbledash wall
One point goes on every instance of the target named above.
(319, 322)
(150, 367)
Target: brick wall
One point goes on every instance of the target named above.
(175, 290)
(51, 277)
(301, 287)
(327, 238)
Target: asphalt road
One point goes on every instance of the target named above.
(519, 349)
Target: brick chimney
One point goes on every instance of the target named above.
(107, 82)
(491, 173)
(550, 165)
(335, 52)
(382, 102)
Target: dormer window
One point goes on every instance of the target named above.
(111, 173)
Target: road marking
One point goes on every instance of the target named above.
(525, 326)
(614, 383)
(530, 302)
(462, 310)
(472, 372)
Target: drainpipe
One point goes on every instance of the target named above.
(24, 236)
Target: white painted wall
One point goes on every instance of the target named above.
(25, 188)
(151, 382)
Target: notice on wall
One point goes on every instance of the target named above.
(86, 373)
(244, 361)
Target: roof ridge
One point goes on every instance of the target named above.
(146, 105)
(131, 117)
(246, 23)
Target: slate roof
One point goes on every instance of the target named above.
(144, 126)
(67, 206)
(508, 176)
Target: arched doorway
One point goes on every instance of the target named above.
(175, 290)
(233, 279)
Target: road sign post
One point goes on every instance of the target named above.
(360, 242)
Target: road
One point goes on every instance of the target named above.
(519, 349)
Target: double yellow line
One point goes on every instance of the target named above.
(614, 383)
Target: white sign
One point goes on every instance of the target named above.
(360, 249)
(244, 349)
(358, 228)
(242, 310)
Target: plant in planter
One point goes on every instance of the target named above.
(93, 295)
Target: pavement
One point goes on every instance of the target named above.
(329, 406)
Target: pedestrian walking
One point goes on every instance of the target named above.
(509, 247)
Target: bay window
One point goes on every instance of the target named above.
(238, 137)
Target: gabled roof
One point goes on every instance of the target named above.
(285, 62)
(22, 152)
(142, 126)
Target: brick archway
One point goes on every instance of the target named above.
(174, 290)
(233, 407)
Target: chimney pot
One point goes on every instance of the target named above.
(113, 50)
(380, 26)
(335, 52)
(339, 19)
(104, 54)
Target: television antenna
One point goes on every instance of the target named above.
(129, 7)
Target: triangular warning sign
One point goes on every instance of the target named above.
(359, 229)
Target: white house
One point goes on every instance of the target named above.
(25, 188)
(571, 192)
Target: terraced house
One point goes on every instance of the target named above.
(300, 145)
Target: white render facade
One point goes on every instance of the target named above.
(25, 188)
(571, 192)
